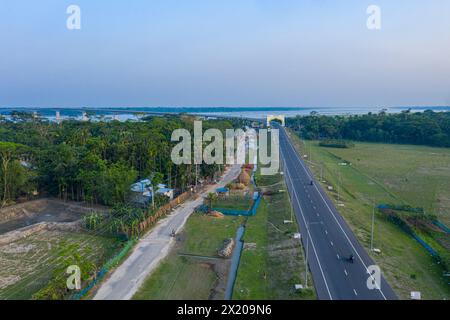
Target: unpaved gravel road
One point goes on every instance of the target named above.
(152, 248)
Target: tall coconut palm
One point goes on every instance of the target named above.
(211, 197)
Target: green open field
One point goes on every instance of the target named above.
(193, 269)
(272, 261)
(179, 278)
(237, 202)
(26, 265)
(394, 174)
(417, 175)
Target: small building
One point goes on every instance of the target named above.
(143, 191)
(257, 125)
(26, 164)
(142, 186)
(416, 295)
(169, 193)
(222, 191)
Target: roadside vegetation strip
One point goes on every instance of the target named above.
(421, 226)
(336, 143)
(272, 261)
(404, 262)
(113, 262)
(442, 226)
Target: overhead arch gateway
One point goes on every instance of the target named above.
(273, 117)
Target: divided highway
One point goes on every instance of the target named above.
(327, 237)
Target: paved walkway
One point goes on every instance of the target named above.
(152, 248)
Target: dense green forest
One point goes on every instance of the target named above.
(91, 161)
(424, 128)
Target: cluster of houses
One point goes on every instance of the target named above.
(143, 191)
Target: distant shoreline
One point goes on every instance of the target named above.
(124, 113)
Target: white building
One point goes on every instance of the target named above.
(144, 189)
(166, 192)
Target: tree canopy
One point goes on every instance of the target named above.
(93, 161)
(424, 128)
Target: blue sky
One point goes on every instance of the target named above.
(316, 53)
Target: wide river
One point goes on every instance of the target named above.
(135, 113)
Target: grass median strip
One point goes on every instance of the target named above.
(272, 261)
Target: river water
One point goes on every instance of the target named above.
(135, 113)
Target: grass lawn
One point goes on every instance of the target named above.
(396, 174)
(178, 278)
(205, 234)
(272, 262)
(27, 265)
(182, 276)
(236, 202)
(418, 175)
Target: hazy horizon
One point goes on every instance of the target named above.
(433, 107)
(250, 53)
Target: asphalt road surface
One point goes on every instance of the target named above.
(328, 240)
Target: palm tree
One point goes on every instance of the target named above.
(211, 197)
(9, 152)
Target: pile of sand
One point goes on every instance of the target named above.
(216, 214)
(227, 248)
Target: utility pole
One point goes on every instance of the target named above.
(153, 197)
(306, 258)
(338, 183)
(169, 178)
(196, 174)
(292, 214)
(373, 223)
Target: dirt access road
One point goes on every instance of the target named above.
(153, 247)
